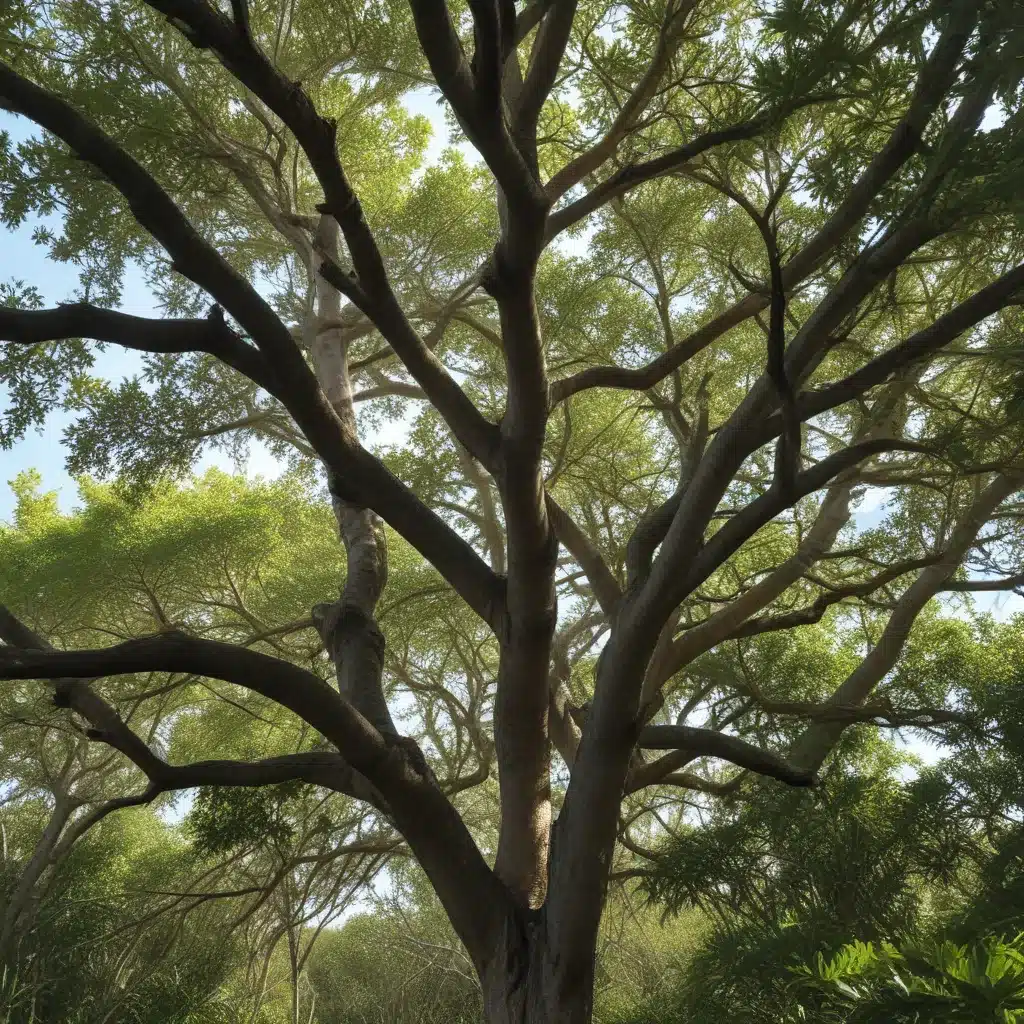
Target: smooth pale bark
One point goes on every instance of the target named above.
(17, 910)
(348, 626)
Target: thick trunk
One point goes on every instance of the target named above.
(525, 983)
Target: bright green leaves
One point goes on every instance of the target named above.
(231, 167)
(155, 426)
(936, 981)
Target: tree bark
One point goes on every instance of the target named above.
(527, 983)
(21, 898)
(348, 627)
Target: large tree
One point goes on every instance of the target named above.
(795, 272)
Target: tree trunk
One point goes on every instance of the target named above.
(525, 983)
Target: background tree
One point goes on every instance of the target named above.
(600, 471)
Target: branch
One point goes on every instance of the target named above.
(881, 713)
(530, 17)
(477, 112)
(192, 256)
(669, 38)
(421, 811)
(28, 656)
(814, 745)
(602, 580)
(709, 743)
(814, 612)
(641, 378)
(730, 537)
(370, 290)
(82, 320)
(632, 175)
(324, 769)
(469, 425)
(649, 532)
(973, 586)
(548, 50)
(292, 382)
(940, 71)
(487, 65)
(984, 303)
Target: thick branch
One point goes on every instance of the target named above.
(83, 320)
(292, 382)
(421, 811)
(605, 586)
(548, 49)
(476, 110)
(370, 290)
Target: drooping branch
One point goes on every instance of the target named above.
(300, 691)
(419, 808)
(106, 725)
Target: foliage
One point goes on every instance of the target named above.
(935, 981)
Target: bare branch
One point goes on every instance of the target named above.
(709, 743)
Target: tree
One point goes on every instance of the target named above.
(829, 193)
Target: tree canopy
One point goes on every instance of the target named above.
(597, 394)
